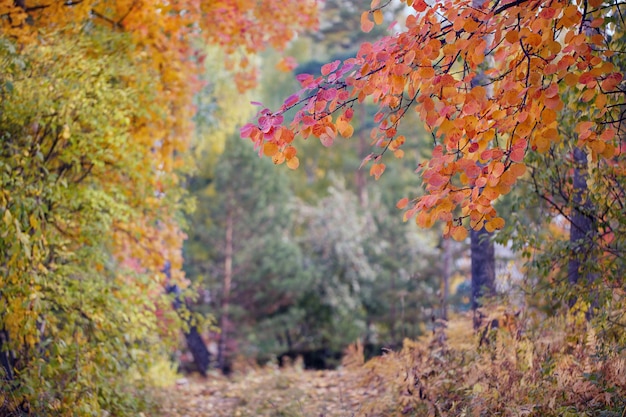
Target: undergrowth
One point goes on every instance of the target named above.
(563, 366)
(509, 365)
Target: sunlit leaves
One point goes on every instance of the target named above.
(74, 185)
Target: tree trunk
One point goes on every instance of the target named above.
(6, 359)
(483, 266)
(446, 261)
(195, 344)
(482, 247)
(360, 180)
(199, 351)
(393, 312)
(582, 224)
(228, 273)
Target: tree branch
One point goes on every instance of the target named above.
(509, 5)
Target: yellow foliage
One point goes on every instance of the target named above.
(509, 366)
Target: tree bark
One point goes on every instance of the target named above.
(6, 359)
(483, 266)
(228, 273)
(360, 180)
(446, 261)
(582, 224)
(482, 247)
(195, 344)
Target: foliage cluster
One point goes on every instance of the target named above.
(71, 176)
(96, 118)
(525, 103)
(487, 79)
(549, 367)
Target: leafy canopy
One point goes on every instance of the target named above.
(487, 81)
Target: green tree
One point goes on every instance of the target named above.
(240, 224)
(78, 324)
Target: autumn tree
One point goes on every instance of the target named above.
(70, 175)
(97, 106)
(544, 57)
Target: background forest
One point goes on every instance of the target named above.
(307, 262)
(148, 228)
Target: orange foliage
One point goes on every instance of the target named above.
(541, 55)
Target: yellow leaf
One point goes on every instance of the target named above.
(378, 16)
(346, 131)
(278, 158)
(542, 144)
(425, 219)
(494, 224)
(293, 163)
(65, 133)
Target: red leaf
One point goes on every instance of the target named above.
(402, 203)
(517, 154)
(330, 67)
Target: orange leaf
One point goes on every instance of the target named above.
(293, 162)
(611, 82)
(584, 126)
(437, 180)
(377, 170)
(512, 36)
(458, 233)
(402, 203)
(290, 152)
(517, 170)
(270, 149)
(366, 24)
(286, 135)
(587, 96)
(517, 154)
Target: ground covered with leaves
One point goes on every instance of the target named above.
(268, 392)
(562, 367)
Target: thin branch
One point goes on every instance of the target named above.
(508, 6)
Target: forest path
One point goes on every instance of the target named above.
(288, 392)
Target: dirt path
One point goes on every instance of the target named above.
(268, 392)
